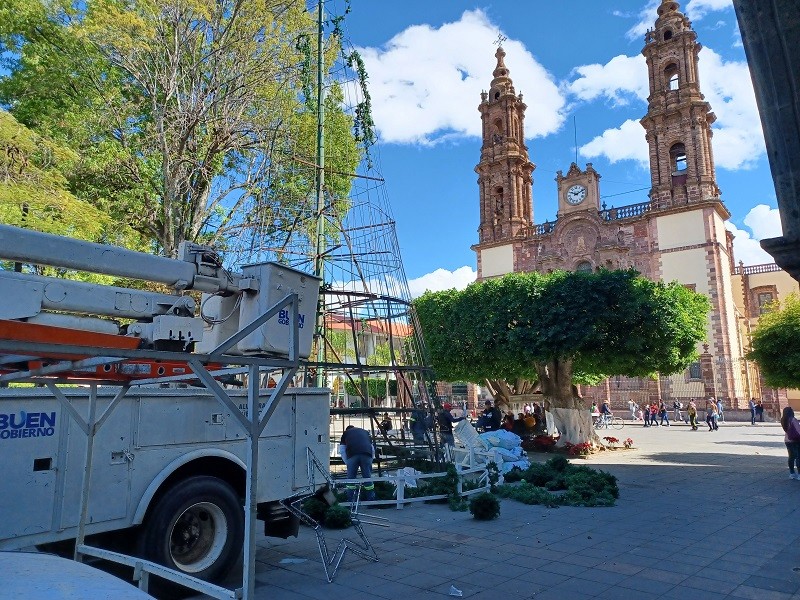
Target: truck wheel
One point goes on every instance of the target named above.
(197, 528)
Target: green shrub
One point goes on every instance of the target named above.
(315, 508)
(558, 463)
(528, 493)
(457, 503)
(586, 496)
(514, 475)
(484, 507)
(337, 517)
(384, 490)
(582, 485)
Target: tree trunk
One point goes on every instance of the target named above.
(575, 426)
(570, 416)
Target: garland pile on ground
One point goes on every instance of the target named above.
(581, 486)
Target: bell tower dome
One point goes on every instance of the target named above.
(504, 171)
(678, 120)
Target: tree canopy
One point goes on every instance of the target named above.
(607, 323)
(33, 189)
(561, 328)
(187, 117)
(775, 344)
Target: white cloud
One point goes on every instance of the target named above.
(617, 80)
(647, 16)
(738, 138)
(763, 222)
(442, 279)
(626, 142)
(746, 249)
(419, 79)
(694, 10)
(697, 9)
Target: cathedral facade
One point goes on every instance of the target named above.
(678, 234)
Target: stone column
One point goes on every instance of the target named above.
(771, 37)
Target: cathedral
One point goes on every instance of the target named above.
(678, 234)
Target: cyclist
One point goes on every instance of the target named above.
(605, 412)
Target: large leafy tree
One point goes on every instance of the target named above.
(775, 344)
(561, 328)
(34, 194)
(33, 189)
(188, 116)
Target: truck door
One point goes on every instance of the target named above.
(29, 439)
(109, 495)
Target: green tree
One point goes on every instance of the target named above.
(190, 117)
(376, 387)
(775, 344)
(33, 190)
(562, 328)
(34, 195)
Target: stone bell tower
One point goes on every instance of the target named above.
(678, 120)
(504, 171)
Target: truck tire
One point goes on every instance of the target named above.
(197, 528)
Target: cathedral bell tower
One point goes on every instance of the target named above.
(678, 120)
(504, 171)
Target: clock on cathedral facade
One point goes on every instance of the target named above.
(676, 233)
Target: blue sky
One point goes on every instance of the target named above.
(576, 62)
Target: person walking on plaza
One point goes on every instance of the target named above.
(676, 407)
(646, 415)
(720, 411)
(357, 452)
(752, 406)
(654, 415)
(792, 440)
(663, 413)
(711, 415)
(691, 411)
(760, 411)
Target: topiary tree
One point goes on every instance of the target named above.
(563, 328)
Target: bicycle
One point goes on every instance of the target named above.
(609, 422)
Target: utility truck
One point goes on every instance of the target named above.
(132, 436)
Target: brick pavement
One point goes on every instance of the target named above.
(700, 515)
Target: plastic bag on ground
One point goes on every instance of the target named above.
(501, 439)
(511, 455)
(409, 475)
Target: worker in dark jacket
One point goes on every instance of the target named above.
(446, 420)
(357, 452)
(419, 426)
(491, 418)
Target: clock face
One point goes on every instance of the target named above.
(576, 194)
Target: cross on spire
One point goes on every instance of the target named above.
(500, 39)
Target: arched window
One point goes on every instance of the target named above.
(677, 158)
(667, 35)
(498, 201)
(583, 267)
(671, 77)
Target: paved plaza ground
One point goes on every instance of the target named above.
(700, 515)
